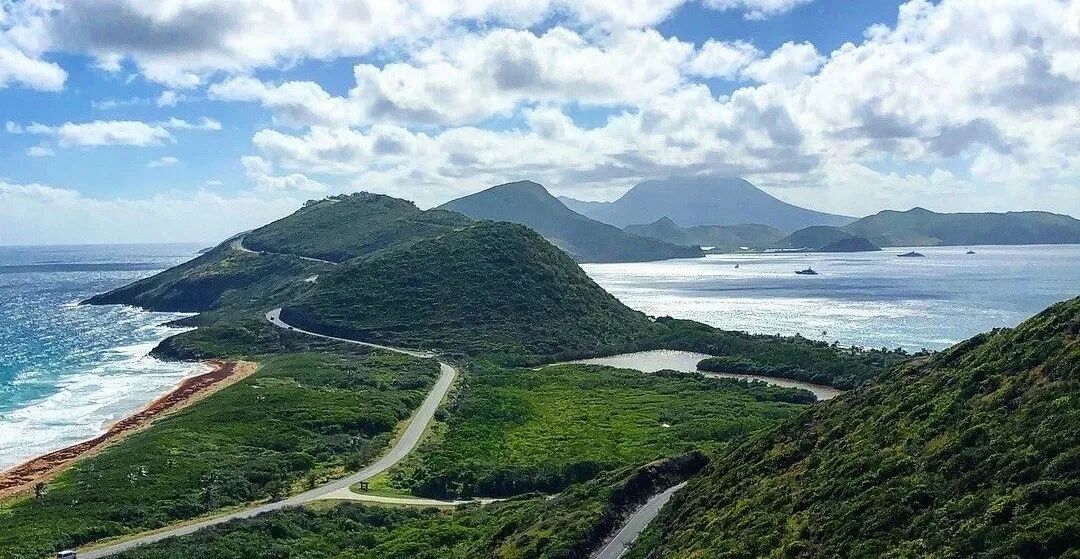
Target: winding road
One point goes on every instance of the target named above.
(336, 489)
(340, 489)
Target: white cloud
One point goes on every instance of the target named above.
(40, 214)
(786, 66)
(261, 174)
(204, 123)
(113, 132)
(18, 68)
(181, 42)
(40, 151)
(722, 59)
(169, 98)
(756, 9)
(100, 133)
(472, 77)
(166, 161)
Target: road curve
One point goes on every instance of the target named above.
(633, 527)
(402, 447)
(238, 244)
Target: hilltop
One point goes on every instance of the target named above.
(587, 240)
(823, 238)
(703, 200)
(922, 227)
(969, 453)
(490, 287)
(728, 237)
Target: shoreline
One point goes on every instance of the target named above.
(44, 467)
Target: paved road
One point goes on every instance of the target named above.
(238, 244)
(404, 445)
(634, 526)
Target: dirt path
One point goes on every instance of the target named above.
(190, 390)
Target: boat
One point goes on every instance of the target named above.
(736, 265)
(806, 272)
(912, 254)
(971, 252)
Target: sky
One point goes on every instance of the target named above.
(191, 120)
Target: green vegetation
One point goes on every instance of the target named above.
(921, 227)
(513, 431)
(222, 277)
(587, 240)
(793, 357)
(300, 419)
(973, 452)
(824, 238)
(570, 525)
(347, 226)
(720, 237)
(489, 288)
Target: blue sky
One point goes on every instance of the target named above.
(149, 125)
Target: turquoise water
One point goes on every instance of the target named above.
(870, 299)
(68, 371)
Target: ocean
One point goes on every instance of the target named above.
(870, 299)
(68, 371)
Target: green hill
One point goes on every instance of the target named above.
(921, 227)
(825, 238)
(490, 287)
(347, 226)
(973, 452)
(587, 240)
(728, 237)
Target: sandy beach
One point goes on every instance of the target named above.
(190, 390)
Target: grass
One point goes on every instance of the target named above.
(570, 525)
(510, 431)
(301, 419)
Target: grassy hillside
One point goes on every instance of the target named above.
(347, 226)
(921, 227)
(569, 526)
(587, 240)
(973, 452)
(220, 277)
(491, 287)
(724, 237)
(300, 419)
(511, 431)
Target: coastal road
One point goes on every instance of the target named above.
(634, 526)
(335, 489)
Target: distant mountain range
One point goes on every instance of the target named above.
(587, 240)
(705, 200)
(922, 227)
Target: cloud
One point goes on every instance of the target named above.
(180, 43)
(113, 132)
(166, 161)
(99, 133)
(18, 68)
(40, 151)
(786, 66)
(722, 59)
(42, 214)
(756, 9)
(472, 77)
(204, 123)
(170, 98)
(261, 174)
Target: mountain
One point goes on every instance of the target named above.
(703, 200)
(718, 236)
(823, 238)
(922, 227)
(972, 452)
(490, 287)
(587, 240)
